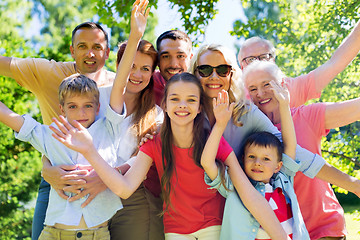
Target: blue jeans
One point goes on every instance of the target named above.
(40, 209)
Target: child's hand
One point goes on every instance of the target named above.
(281, 93)
(139, 16)
(222, 109)
(75, 137)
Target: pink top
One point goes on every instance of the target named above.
(302, 89)
(322, 213)
(193, 205)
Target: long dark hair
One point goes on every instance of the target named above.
(145, 112)
(200, 135)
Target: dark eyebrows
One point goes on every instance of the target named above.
(81, 43)
(167, 52)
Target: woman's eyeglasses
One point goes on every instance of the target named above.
(262, 57)
(222, 70)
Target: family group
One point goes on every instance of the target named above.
(181, 146)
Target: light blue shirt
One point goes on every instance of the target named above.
(106, 132)
(238, 223)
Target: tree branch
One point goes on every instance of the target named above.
(354, 160)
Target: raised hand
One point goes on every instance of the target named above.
(139, 15)
(280, 92)
(222, 108)
(74, 136)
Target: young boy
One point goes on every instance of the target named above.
(79, 100)
(271, 177)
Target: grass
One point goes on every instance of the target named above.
(352, 218)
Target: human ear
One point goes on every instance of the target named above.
(279, 165)
(62, 109)
(107, 53)
(98, 109)
(72, 51)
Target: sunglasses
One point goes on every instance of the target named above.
(206, 70)
(262, 57)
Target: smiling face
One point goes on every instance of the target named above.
(89, 50)
(258, 85)
(174, 57)
(140, 74)
(182, 103)
(260, 162)
(80, 107)
(213, 84)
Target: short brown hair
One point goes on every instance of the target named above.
(89, 25)
(174, 35)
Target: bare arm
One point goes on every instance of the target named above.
(345, 53)
(5, 66)
(222, 112)
(138, 23)
(287, 124)
(334, 176)
(253, 200)
(342, 113)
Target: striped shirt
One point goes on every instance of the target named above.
(282, 210)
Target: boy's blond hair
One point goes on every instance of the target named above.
(77, 84)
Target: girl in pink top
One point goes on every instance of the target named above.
(191, 210)
(321, 211)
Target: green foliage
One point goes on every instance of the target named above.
(20, 164)
(195, 14)
(17, 225)
(306, 33)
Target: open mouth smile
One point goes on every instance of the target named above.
(135, 82)
(182, 114)
(214, 86)
(265, 101)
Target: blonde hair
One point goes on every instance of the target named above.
(236, 90)
(77, 84)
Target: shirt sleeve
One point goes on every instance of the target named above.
(216, 183)
(37, 74)
(290, 167)
(224, 150)
(148, 147)
(302, 89)
(114, 120)
(34, 133)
